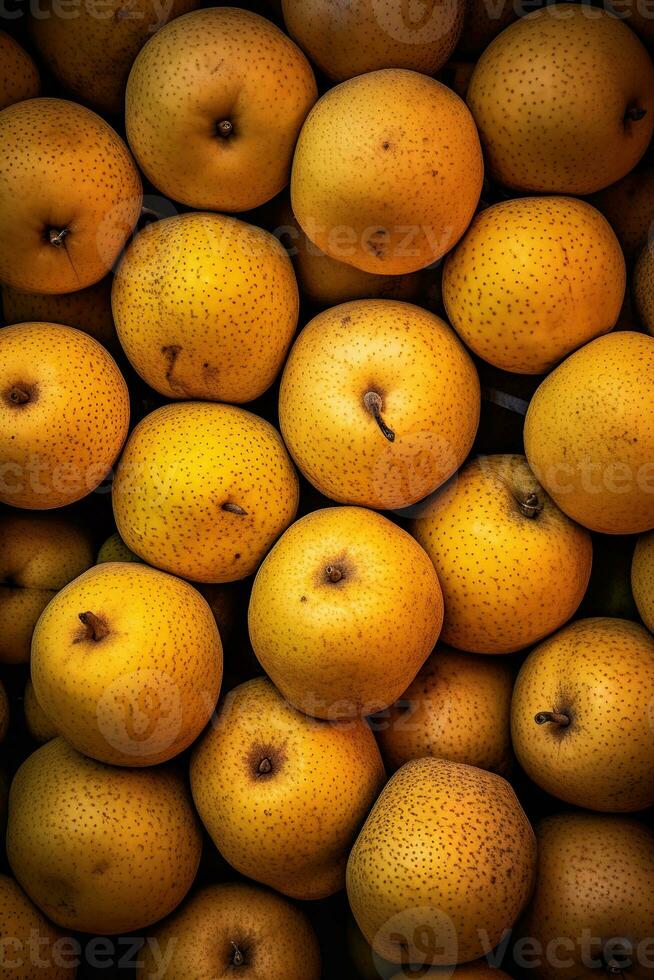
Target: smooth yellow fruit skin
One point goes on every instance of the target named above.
(203, 68)
(595, 879)
(101, 849)
(180, 466)
(443, 866)
(563, 128)
(512, 566)
(206, 307)
(33, 947)
(344, 40)
(115, 549)
(142, 693)
(643, 288)
(63, 168)
(532, 280)
(588, 434)
(91, 55)
(39, 726)
(291, 827)
(457, 708)
(19, 76)
(57, 446)
(387, 171)
(430, 399)
(39, 554)
(347, 648)
(274, 936)
(642, 578)
(600, 674)
(89, 310)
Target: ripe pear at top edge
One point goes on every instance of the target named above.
(378, 403)
(582, 715)
(443, 866)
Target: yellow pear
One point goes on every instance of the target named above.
(379, 403)
(643, 287)
(90, 54)
(19, 76)
(115, 549)
(512, 566)
(204, 490)
(39, 554)
(458, 708)
(32, 949)
(589, 438)
(582, 715)
(236, 928)
(87, 309)
(281, 794)
(101, 849)
(591, 914)
(347, 39)
(387, 171)
(331, 618)
(443, 866)
(70, 196)
(532, 280)
(642, 578)
(39, 726)
(127, 661)
(64, 415)
(206, 307)
(214, 105)
(582, 115)
(629, 207)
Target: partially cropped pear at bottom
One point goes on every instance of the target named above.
(281, 794)
(443, 866)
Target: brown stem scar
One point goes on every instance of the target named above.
(531, 505)
(334, 573)
(237, 956)
(56, 236)
(635, 114)
(18, 395)
(96, 628)
(373, 403)
(225, 128)
(233, 509)
(555, 717)
(265, 766)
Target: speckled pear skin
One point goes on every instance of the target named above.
(344, 40)
(512, 566)
(429, 393)
(19, 76)
(272, 935)
(281, 794)
(643, 287)
(91, 55)
(642, 578)
(142, 692)
(182, 464)
(22, 922)
(600, 674)
(595, 877)
(64, 414)
(87, 309)
(39, 554)
(387, 171)
(204, 68)
(345, 648)
(206, 307)
(444, 864)
(564, 128)
(101, 849)
(588, 434)
(458, 708)
(532, 280)
(63, 169)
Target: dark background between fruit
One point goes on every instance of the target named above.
(344, 953)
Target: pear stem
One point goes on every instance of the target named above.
(56, 238)
(96, 628)
(531, 505)
(18, 395)
(555, 717)
(334, 573)
(613, 969)
(225, 128)
(373, 403)
(237, 956)
(265, 766)
(233, 509)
